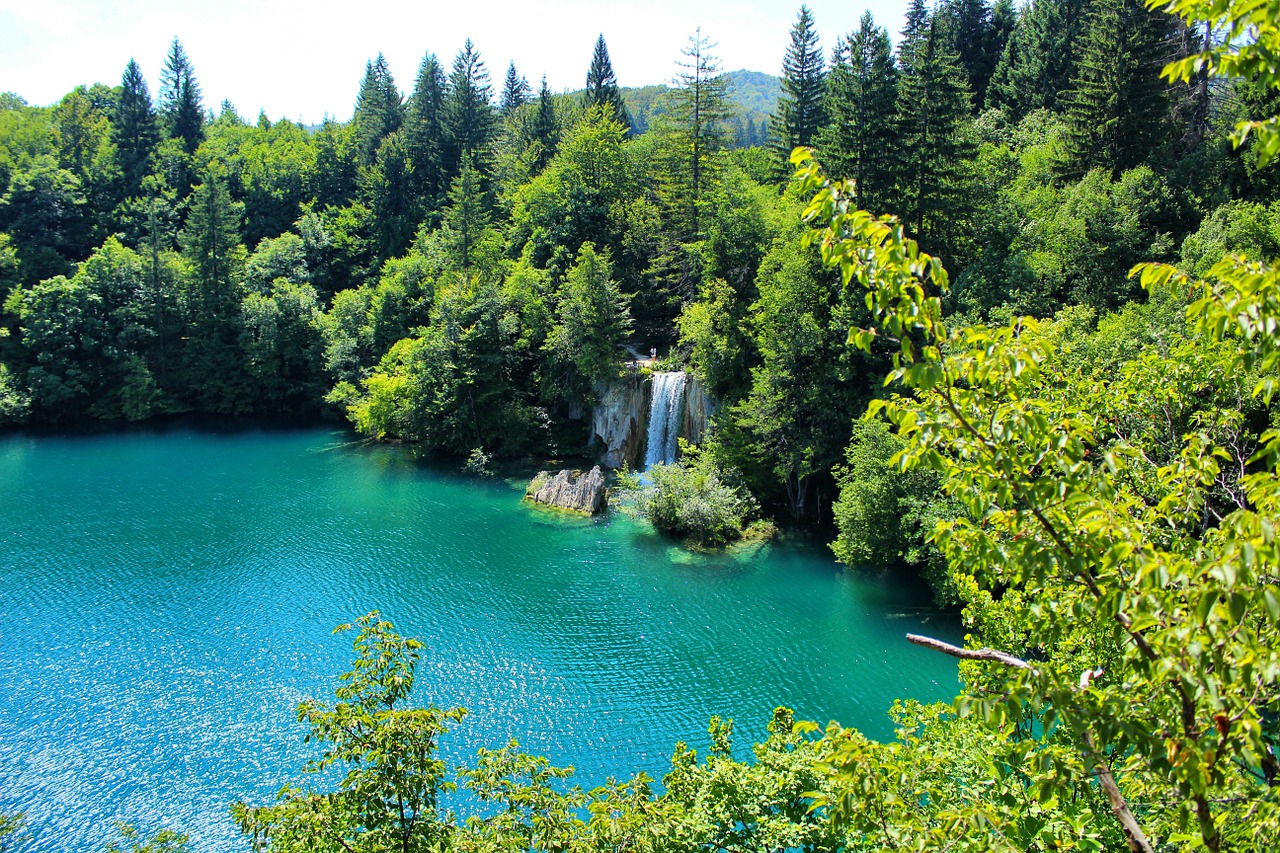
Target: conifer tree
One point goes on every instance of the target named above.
(545, 130)
(862, 90)
(602, 85)
(933, 104)
(389, 191)
(210, 241)
(424, 128)
(470, 122)
(970, 27)
(1118, 113)
(1039, 61)
(467, 214)
(180, 99)
(801, 109)
(211, 244)
(133, 129)
(698, 108)
(515, 91)
(379, 110)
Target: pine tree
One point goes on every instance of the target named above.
(389, 192)
(210, 241)
(470, 122)
(801, 109)
(180, 103)
(515, 91)
(698, 108)
(1040, 59)
(424, 128)
(211, 244)
(379, 110)
(133, 129)
(933, 104)
(467, 214)
(969, 25)
(862, 90)
(545, 131)
(602, 85)
(1118, 112)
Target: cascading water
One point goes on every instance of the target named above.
(665, 405)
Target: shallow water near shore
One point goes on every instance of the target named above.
(168, 596)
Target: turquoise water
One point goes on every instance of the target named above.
(167, 597)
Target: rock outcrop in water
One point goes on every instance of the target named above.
(571, 490)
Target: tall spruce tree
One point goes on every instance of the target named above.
(698, 107)
(545, 130)
(801, 110)
(466, 216)
(133, 130)
(934, 149)
(602, 85)
(379, 110)
(425, 133)
(515, 91)
(388, 186)
(470, 122)
(180, 103)
(971, 31)
(1039, 61)
(1118, 115)
(211, 244)
(858, 141)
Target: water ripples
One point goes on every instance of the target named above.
(168, 598)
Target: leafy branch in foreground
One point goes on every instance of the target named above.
(1141, 579)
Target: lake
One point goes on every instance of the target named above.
(168, 595)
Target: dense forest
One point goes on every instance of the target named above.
(462, 268)
(1083, 459)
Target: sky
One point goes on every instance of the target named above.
(303, 60)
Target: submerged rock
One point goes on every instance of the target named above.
(571, 490)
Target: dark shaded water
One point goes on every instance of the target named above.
(167, 597)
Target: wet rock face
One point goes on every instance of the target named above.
(571, 490)
(618, 421)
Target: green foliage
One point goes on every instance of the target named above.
(800, 113)
(1247, 50)
(180, 104)
(602, 86)
(935, 151)
(792, 425)
(392, 779)
(164, 841)
(470, 122)
(693, 133)
(862, 91)
(584, 343)
(379, 111)
(133, 129)
(44, 213)
(886, 518)
(1236, 227)
(1118, 112)
(692, 498)
(1039, 62)
(1115, 551)
(12, 827)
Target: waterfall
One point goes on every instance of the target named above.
(665, 412)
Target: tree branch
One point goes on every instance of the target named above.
(1134, 836)
(970, 654)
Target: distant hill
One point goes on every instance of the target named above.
(752, 94)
